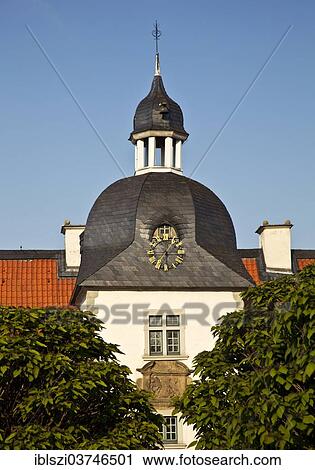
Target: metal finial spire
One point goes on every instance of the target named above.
(156, 33)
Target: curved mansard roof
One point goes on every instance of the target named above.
(123, 218)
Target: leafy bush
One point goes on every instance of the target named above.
(61, 386)
(256, 388)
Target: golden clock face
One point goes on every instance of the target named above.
(166, 249)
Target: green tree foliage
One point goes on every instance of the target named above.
(61, 386)
(256, 388)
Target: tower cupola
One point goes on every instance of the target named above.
(158, 128)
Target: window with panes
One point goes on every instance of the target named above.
(164, 335)
(169, 429)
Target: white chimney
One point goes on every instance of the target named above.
(275, 241)
(72, 243)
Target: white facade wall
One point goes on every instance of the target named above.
(125, 324)
(125, 313)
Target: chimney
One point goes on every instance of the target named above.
(72, 243)
(275, 242)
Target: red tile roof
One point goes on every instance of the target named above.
(33, 283)
(252, 268)
(305, 262)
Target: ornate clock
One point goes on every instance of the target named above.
(166, 249)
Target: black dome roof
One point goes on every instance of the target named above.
(123, 218)
(157, 111)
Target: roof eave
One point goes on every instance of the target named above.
(143, 134)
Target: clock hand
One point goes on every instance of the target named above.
(170, 246)
(166, 251)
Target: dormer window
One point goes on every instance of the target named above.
(164, 111)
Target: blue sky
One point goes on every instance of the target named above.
(52, 165)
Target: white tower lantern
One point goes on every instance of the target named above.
(158, 132)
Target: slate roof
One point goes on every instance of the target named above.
(121, 223)
(157, 111)
(34, 278)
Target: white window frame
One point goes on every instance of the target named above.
(172, 346)
(154, 353)
(179, 443)
(171, 426)
(166, 355)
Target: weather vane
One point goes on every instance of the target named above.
(156, 33)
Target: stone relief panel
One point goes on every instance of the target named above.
(165, 380)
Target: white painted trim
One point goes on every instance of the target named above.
(158, 169)
(181, 328)
(136, 158)
(178, 154)
(140, 154)
(151, 151)
(173, 357)
(180, 444)
(159, 133)
(169, 152)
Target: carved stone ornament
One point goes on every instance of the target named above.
(165, 380)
